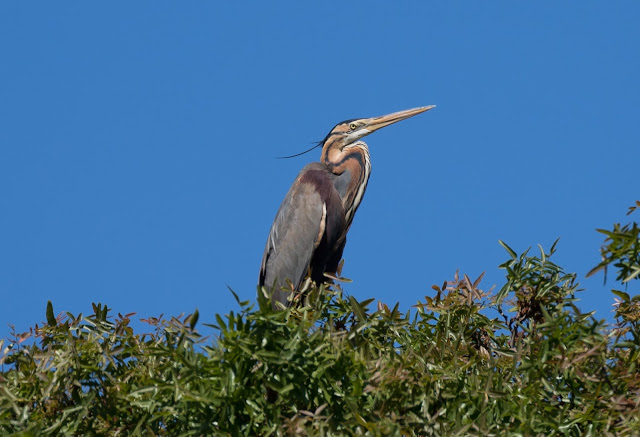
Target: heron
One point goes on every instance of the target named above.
(309, 232)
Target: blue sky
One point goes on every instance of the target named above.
(138, 143)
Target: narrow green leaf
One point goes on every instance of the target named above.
(194, 319)
(235, 296)
(633, 275)
(622, 295)
(512, 252)
(357, 309)
(221, 324)
(51, 318)
(596, 269)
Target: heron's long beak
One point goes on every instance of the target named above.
(375, 123)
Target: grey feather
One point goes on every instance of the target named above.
(295, 227)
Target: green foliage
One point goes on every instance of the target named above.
(622, 249)
(525, 361)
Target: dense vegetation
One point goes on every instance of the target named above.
(522, 361)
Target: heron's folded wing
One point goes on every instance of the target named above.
(298, 226)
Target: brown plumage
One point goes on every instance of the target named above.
(309, 232)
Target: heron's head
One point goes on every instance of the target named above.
(349, 131)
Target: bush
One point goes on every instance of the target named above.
(525, 361)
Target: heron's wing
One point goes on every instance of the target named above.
(296, 231)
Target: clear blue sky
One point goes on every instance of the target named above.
(138, 143)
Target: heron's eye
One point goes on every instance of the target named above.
(353, 126)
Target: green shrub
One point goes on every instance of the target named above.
(463, 361)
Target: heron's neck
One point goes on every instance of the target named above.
(335, 156)
(354, 164)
